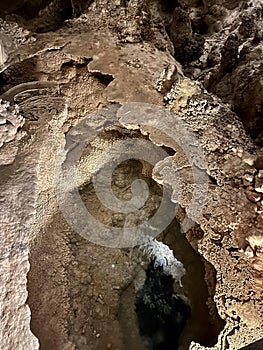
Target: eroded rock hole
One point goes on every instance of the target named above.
(96, 297)
(170, 315)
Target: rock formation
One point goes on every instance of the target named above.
(61, 61)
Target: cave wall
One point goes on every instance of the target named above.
(118, 52)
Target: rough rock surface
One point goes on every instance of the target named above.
(202, 60)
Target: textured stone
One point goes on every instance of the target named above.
(95, 67)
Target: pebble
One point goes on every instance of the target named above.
(259, 184)
(116, 288)
(247, 179)
(249, 252)
(252, 196)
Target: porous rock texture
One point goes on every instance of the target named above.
(202, 60)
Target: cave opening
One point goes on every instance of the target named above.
(76, 287)
(167, 314)
(161, 313)
(198, 285)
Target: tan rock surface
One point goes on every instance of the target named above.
(74, 286)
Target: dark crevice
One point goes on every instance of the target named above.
(168, 6)
(162, 315)
(30, 9)
(78, 64)
(258, 345)
(259, 162)
(24, 8)
(167, 315)
(3, 82)
(69, 64)
(232, 249)
(46, 15)
(52, 17)
(204, 324)
(199, 26)
(18, 73)
(104, 79)
(185, 30)
(169, 150)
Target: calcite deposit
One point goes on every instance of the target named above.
(71, 65)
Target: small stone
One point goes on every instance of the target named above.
(255, 241)
(100, 300)
(169, 75)
(252, 196)
(116, 288)
(249, 252)
(99, 311)
(248, 160)
(127, 196)
(259, 184)
(247, 179)
(88, 279)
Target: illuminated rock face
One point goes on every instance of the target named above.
(74, 286)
